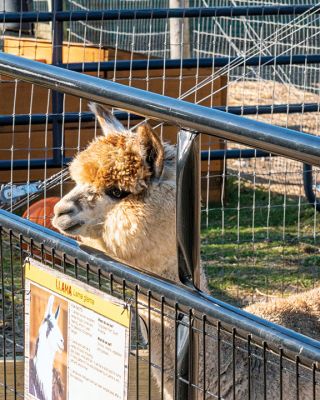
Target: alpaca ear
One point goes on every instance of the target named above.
(56, 315)
(49, 306)
(151, 148)
(108, 122)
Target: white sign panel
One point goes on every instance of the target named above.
(76, 339)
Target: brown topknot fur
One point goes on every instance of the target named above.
(112, 161)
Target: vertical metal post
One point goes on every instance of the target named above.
(57, 98)
(179, 31)
(188, 207)
(188, 246)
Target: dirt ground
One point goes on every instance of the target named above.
(277, 174)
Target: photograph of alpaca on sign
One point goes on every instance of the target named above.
(48, 345)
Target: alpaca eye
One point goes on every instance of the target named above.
(116, 193)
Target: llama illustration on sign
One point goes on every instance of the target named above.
(45, 381)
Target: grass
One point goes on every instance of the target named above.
(11, 299)
(252, 251)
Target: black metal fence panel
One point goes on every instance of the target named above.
(232, 363)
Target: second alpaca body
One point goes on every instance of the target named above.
(124, 204)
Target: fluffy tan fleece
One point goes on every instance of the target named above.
(300, 312)
(112, 161)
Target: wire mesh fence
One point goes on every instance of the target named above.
(259, 201)
(261, 241)
(232, 363)
(259, 229)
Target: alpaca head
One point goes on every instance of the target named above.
(124, 181)
(50, 336)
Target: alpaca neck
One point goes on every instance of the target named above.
(161, 261)
(43, 362)
(155, 252)
(142, 234)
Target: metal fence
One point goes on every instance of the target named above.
(249, 197)
(229, 353)
(259, 232)
(239, 355)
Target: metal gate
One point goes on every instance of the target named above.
(204, 348)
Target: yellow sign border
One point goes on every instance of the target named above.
(79, 292)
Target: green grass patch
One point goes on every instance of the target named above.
(259, 244)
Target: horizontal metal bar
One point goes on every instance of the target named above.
(271, 109)
(273, 139)
(26, 119)
(68, 117)
(157, 13)
(34, 163)
(52, 163)
(276, 336)
(205, 155)
(227, 154)
(217, 62)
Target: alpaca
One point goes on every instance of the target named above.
(124, 205)
(44, 380)
(300, 312)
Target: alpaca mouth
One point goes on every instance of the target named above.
(66, 225)
(73, 228)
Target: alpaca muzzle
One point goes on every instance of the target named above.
(66, 216)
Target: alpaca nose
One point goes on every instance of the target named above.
(66, 208)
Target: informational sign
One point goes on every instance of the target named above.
(76, 339)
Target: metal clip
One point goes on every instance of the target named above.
(9, 192)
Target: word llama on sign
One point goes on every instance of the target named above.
(44, 381)
(124, 204)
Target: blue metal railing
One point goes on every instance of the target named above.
(197, 119)
(273, 139)
(216, 62)
(158, 13)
